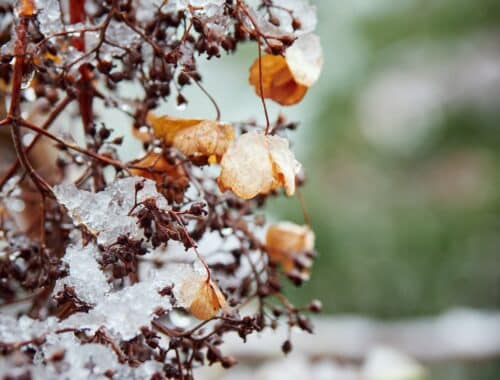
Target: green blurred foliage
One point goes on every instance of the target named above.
(412, 232)
(392, 242)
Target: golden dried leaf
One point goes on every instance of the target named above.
(26, 8)
(257, 164)
(165, 127)
(278, 82)
(286, 79)
(155, 167)
(285, 240)
(207, 301)
(196, 138)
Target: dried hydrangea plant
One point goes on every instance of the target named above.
(138, 269)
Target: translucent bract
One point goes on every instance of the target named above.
(257, 164)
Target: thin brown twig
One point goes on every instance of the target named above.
(48, 122)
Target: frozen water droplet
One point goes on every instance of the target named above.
(180, 319)
(27, 79)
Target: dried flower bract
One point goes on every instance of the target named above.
(287, 79)
(257, 164)
(195, 138)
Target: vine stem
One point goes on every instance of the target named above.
(13, 116)
(75, 147)
(303, 206)
(261, 89)
(209, 96)
(261, 81)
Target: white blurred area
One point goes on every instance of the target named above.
(401, 104)
(352, 347)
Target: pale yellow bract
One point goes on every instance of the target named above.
(257, 164)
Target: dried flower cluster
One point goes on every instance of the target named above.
(138, 269)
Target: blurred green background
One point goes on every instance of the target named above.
(403, 161)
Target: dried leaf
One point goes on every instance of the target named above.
(278, 83)
(286, 79)
(155, 167)
(285, 241)
(195, 138)
(207, 301)
(26, 8)
(257, 164)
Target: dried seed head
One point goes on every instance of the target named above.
(257, 164)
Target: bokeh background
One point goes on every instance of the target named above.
(401, 142)
(403, 156)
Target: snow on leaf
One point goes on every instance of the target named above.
(287, 79)
(305, 59)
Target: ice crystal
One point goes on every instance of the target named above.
(85, 276)
(49, 16)
(106, 213)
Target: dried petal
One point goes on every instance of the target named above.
(286, 79)
(207, 301)
(257, 164)
(285, 241)
(196, 138)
